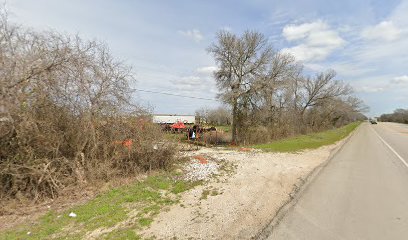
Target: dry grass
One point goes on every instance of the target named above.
(217, 137)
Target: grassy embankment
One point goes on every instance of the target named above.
(309, 141)
(122, 211)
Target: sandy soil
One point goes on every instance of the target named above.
(242, 203)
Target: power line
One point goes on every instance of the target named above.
(172, 94)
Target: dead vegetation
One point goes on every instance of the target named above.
(269, 94)
(66, 117)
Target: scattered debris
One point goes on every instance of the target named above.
(202, 170)
(201, 159)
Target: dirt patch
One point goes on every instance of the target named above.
(201, 159)
(237, 206)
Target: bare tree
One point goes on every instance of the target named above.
(241, 61)
(274, 88)
(220, 116)
(321, 88)
(269, 95)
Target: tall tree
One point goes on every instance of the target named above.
(323, 87)
(241, 61)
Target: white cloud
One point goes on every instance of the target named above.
(385, 30)
(375, 86)
(296, 32)
(193, 34)
(399, 15)
(206, 70)
(400, 80)
(370, 89)
(194, 84)
(191, 81)
(305, 52)
(315, 67)
(316, 40)
(352, 69)
(199, 82)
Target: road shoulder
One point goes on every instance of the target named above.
(299, 189)
(244, 204)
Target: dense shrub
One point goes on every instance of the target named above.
(66, 115)
(216, 137)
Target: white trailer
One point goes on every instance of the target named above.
(170, 119)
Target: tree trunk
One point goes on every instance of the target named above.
(234, 121)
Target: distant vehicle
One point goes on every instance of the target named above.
(372, 121)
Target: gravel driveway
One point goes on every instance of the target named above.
(239, 203)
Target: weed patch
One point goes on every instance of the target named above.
(204, 194)
(208, 192)
(107, 211)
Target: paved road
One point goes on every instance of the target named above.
(361, 194)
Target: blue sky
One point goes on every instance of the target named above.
(365, 42)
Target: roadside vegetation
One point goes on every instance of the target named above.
(309, 141)
(67, 118)
(68, 121)
(268, 94)
(116, 214)
(398, 116)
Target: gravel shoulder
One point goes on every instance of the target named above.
(246, 190)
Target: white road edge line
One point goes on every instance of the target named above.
(392, 149)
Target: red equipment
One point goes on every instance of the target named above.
(178, 126)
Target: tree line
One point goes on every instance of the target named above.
(399, 116)
(270, 96)
(220, 116)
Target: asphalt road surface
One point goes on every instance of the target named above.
(361, 194)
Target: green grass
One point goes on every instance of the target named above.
(225, 128)
(310, 141)
(208, 192)
(182, 186)
(144, 222)
(107, 210)
(175, 137)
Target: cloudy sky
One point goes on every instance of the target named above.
(364, 41)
